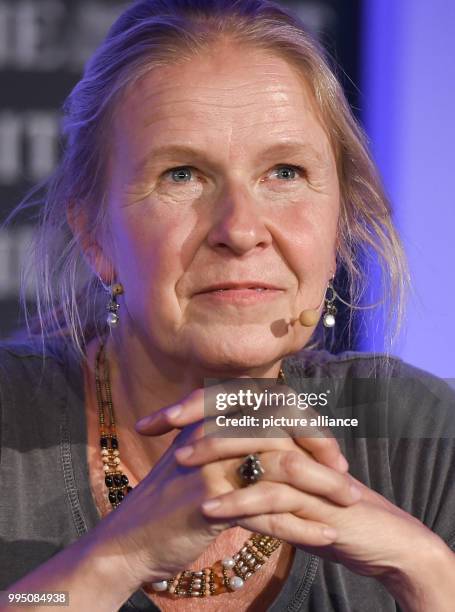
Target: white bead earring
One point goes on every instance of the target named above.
(328, 318)
(112, 306)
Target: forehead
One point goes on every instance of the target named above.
(235, 97)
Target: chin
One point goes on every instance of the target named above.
(234, 353)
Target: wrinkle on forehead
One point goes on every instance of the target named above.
(174, 102)
(241, 97)
(222, 60)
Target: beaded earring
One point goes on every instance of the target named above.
(112, 306)
(328, 318)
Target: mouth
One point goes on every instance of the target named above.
(257, 286)
(239, 294)
(258, 289)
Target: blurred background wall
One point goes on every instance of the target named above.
(395, 61)
(43, 47)
(408, 84)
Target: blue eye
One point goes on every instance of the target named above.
(180, 174)
(183, 174)
(289, 172)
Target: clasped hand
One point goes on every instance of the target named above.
(306, 496)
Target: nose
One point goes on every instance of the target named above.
(238, 224)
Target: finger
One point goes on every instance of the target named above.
(208, 449)
(277, 492)
(319, 441)
(305, 474)
(287, 527)
(325, 450)
(194, 407)
(189, 410)
(213, 448)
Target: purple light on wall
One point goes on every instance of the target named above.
(408, 87)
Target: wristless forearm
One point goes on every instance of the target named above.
(93, 573)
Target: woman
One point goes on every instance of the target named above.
(216, 184)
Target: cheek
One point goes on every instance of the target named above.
(308, 235)
(152, 248)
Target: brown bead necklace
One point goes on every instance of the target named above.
(208, 581)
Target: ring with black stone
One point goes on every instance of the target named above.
(251, 470)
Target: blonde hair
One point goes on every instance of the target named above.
(70, 299)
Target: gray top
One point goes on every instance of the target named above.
(46, 502)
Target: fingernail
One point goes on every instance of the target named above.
(184, 452)
(356, 493)
(173, 411)
(329, 533)
(211, 504)
(343, 464)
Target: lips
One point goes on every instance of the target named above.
(224, 286)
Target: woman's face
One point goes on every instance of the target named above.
(221, 175)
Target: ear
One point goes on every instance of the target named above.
(92, 251)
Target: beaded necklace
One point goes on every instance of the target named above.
(228, 574)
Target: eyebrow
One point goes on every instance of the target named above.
(164, 152)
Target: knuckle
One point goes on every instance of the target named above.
(332, 482)
(275, 522)
(270, 495)
(339, 487)
(291, 462)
